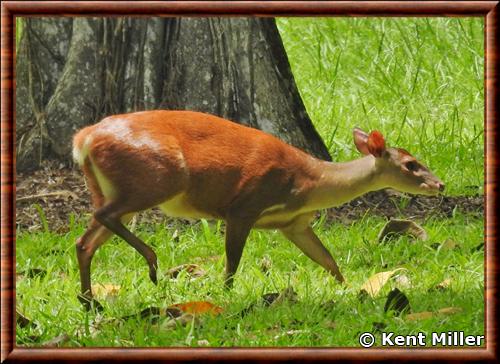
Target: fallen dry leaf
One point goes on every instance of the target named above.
(443, 285)
(23, 321)
(268, 299)
(419, 316)
(57, 341)
(287, 295)
(105, 291)
(449, 245)
(291, 333)
(203, 342)
(374, 284)
(396, 227)
(449, 310)
(194, 270)
(427, 314)
(330, 325)
(198, 307)
(265, 264)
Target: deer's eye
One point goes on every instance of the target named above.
(411, 166)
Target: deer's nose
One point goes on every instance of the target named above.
(440, 186)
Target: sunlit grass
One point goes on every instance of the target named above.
(417, 80)
(51, 301)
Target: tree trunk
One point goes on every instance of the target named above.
(72, 72)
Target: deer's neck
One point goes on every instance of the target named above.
(339, 183)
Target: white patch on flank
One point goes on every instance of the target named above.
(120, 129)
(144, 140)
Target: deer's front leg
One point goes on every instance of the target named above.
(236, 236)
(303, 236)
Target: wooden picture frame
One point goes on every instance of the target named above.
(11, 9)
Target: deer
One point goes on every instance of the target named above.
(196, 165)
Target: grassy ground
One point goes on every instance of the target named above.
(419, 81)
(51, 297)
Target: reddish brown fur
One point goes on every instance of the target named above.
(404, 152)
(376, 143)
(220, 179)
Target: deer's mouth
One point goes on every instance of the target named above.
(428, 189)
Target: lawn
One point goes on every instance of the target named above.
(420, 82)
(323, 314)
(417, 80)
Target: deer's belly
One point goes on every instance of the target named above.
(277, 217)
(179, 206)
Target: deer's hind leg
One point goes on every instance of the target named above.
(130, 191)
(111, 216)
(86, 246)
(95, 236)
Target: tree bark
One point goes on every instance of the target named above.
(72, 72)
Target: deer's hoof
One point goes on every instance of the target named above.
(153, 276)
(90, 303)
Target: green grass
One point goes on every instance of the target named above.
(417, 80)
(51, 299)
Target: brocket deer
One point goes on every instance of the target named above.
(197, 165)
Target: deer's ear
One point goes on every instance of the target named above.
(361, 140)
(376, 143)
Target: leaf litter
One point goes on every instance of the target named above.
(274, 298)
(193, 270)
(398, 227)
(427, 314)
(444, 285)
(376, 282)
